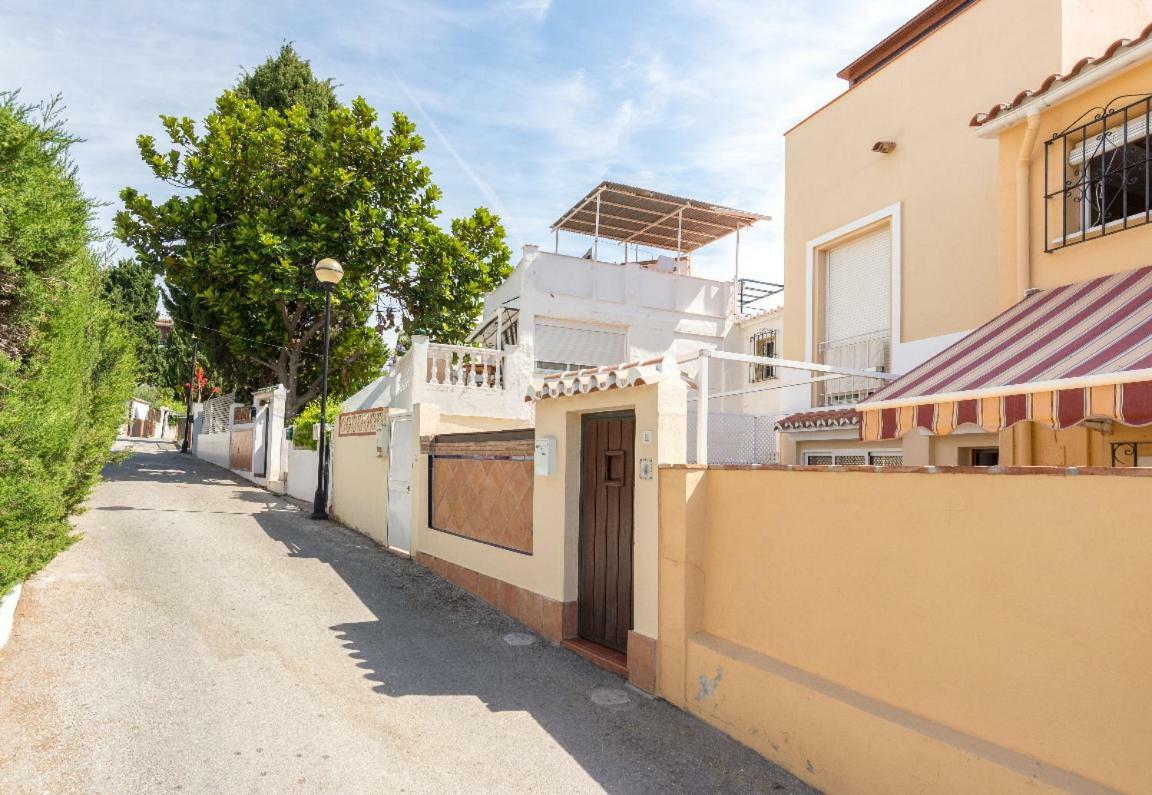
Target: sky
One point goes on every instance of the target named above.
(525, 105)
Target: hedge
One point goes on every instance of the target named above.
(67, 367)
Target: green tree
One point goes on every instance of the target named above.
(131, 288)
(264, 194)
(287, 80)
(66, 363)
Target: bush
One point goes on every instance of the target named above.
(309, 416)
(67, 366)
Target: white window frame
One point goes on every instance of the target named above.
(818, 245)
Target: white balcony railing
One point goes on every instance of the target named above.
(464, 366)
(864, 352)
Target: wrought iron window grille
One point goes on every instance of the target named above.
(762, 343)
(1103, 175)
(1123, 452)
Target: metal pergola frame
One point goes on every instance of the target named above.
(824, 372)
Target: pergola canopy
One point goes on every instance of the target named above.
(626, 214)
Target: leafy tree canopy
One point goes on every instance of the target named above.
(287, 80)
(131, 288)
(263, 194)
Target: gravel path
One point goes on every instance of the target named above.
(206, 636)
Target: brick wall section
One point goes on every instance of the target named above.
(554, 620)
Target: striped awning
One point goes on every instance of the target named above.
(1059, 357)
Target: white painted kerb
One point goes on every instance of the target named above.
(8, 614)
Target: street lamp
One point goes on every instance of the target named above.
(187, 446)
(329, 272)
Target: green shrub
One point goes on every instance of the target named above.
(66, 365)
(309, 416)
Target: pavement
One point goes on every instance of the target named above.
(206, 636)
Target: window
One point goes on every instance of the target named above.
(981, 456)
(857, 312)
(854, 458)
(762, 343)
(569, 345)
(1097, 176)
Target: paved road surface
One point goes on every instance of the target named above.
(206, 636)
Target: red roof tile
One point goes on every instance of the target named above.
(1118, 46)
(820, 418)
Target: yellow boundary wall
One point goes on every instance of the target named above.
(914, 631)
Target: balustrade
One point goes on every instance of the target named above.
(461, 365)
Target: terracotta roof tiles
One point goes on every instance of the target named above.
(1054, 80)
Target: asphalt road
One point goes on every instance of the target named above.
(206, 636)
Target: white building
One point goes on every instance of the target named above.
(557, 312)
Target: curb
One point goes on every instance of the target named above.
(8, 614)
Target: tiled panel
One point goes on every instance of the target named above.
(487, 500)
(554, 620)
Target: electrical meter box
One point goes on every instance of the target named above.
(545, 456)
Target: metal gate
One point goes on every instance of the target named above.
(401, 452)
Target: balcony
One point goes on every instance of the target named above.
(459, 379)
(863, 352)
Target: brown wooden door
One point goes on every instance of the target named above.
(606, 482)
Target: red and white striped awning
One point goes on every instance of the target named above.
(1059, 357)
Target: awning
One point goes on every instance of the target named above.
(626, 214)
(1059, 357)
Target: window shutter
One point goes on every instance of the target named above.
(1097, 145)
(573, 344)
(858, 287)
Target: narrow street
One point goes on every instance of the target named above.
(205, 635)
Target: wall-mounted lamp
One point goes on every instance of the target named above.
(884, 147)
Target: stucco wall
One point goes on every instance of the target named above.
(213, 447)
(942, 632)
(1114, 253)
(301, 472)
(360, 485)
(943, 176)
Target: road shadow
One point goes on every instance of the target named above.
(431, 638)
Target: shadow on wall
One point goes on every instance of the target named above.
(429, 637)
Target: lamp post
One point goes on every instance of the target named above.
(329, 272)
(187, 446)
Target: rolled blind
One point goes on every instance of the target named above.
(1096, 145)
(858, 278)
(574, 344)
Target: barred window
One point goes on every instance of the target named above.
(762, 343)
(1097, 176)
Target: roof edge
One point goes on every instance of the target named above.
(907, 35)
(1120, 54)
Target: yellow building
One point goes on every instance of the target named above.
(909, 229)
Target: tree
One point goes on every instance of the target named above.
(131, 288)
(66, 362)
(287, 80)
(265, 193)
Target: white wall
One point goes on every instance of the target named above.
(213, 447)
(301, 469)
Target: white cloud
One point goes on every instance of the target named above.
(526, 103)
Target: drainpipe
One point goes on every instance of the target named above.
(1023, 207)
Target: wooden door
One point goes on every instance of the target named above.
(606, 483)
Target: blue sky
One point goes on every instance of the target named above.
(524, 104)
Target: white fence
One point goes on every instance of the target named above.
(213, 435)
(300, 467)
(736, 438)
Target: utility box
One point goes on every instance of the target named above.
(545, 456)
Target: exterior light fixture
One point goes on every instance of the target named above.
(884, 147)
(328, 272)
